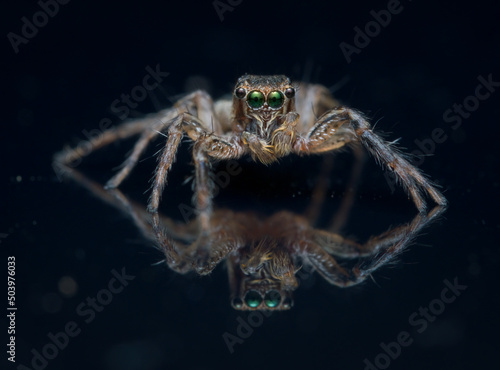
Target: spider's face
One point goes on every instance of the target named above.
(261, 292)
(268, 280)
(263, 99)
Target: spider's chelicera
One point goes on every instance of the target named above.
(267, 118)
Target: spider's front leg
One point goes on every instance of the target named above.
(341, 125)
(380, 250)
(206, 145)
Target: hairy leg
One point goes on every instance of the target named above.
(206, 145)
(174, 252)
(381, 250)
(140, 146)
(180, 242)
(342, 126)
(311, 102)
(69, 156)
(225, 236)
(198, 104)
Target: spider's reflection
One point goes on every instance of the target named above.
(263, 254)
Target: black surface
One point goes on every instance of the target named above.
(65, 79)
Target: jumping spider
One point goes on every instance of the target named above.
(263, 255)
(267, 118)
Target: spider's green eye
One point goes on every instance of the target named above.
(272, 298)
(253, 299)
(275, 99)
(255, 99)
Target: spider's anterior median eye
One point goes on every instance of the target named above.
(272, 298)
(240, 93)
(253, 299)
(255, 99)
(275, 99)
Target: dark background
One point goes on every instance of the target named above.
(64, 80)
